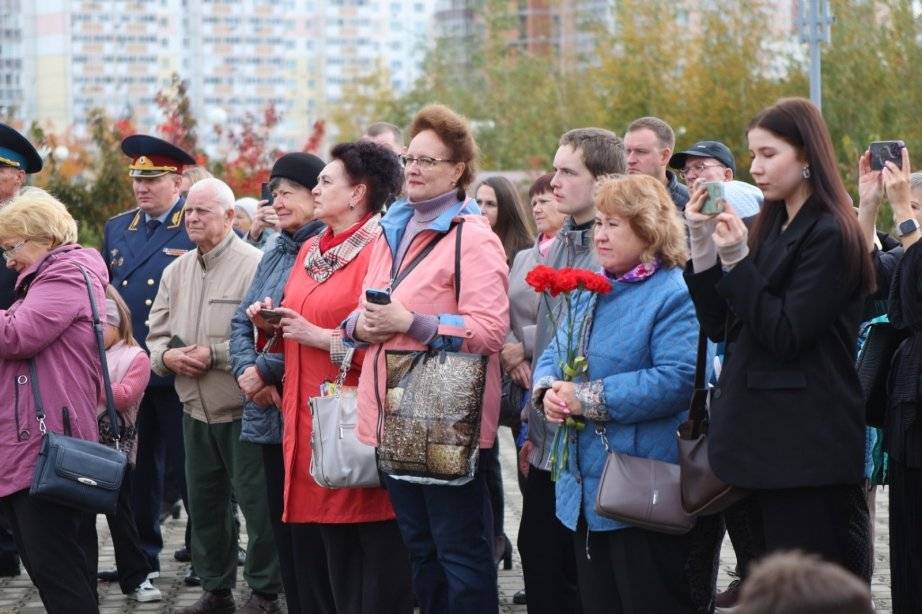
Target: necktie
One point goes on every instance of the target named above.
(152, 227)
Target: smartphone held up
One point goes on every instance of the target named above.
(715, 200)
(886, 151)
(266, 194)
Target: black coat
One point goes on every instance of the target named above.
(787, 411)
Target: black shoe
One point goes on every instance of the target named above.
(170, 511)
(110, 575)
(183, 555)
(241, 556)
(502, 549)
(9, 565)
(192, 578)
(519, 598)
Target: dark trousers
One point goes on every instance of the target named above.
(633, 571)
(744, 529)
(546, 547)
(493, 477)
(905, 538)
(274, 468)
(48, 538)
(159, 439)
(829, 521)
(369, 568)
(311, 573)
(130, 560)
(7, 544)
(448, 531)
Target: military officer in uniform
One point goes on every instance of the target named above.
(138, 245)
(18, 158)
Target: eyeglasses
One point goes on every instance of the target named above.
(9, 253)
(696, 169)
(423, 161)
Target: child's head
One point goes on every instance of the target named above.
(796, 583)
(118, 320)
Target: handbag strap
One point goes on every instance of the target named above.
(104, 364)
(697, 410)
(399, 277)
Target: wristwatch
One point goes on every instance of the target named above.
(908, 227)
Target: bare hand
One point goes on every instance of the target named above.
(187, 361)
(511, 355)
(699, 224)
(389, 319)
(265, 217)
(257, 320)
(296, 328)
(363, 334)
(870, 188)
(560, 402)
(524, 453)
(267, 397)
(250, 382)
(896, 185)
(521, 374)
(730, 228)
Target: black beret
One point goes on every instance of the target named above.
(302, 168)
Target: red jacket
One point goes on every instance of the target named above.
(324, 304)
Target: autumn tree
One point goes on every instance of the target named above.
(179, 124)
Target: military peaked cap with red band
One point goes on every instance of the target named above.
(153, 157)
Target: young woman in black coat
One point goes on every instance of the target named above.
(787, 417)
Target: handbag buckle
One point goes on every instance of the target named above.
(87, 481)
(41, 426)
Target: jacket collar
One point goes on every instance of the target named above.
(291, 243)
(394, 223)
(787, 240)
(578, 238)
(37, 266)
(207, 260)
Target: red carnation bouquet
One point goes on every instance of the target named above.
(551, 282)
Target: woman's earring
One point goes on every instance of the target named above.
(351, 206)
(806, 172)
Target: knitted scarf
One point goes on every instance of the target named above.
(321, 265)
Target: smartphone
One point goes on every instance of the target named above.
(715, 201)
(882, 151)
(270, 315)
(175, 342)
(378, 297)
(266, 194)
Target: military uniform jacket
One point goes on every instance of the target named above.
(136, 263)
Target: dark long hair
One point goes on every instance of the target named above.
(800, 123)
(512, 223)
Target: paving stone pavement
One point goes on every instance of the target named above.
(19, 596)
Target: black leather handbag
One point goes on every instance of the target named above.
(873, 367)
(79, 473)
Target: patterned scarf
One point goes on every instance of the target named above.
(642, 271)
(320, 266)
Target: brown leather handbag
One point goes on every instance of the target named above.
(703, 493)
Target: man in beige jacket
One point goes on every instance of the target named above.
(190, 337)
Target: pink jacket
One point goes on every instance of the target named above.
(51, 324)
(480, 318)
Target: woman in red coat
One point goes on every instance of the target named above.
(359, 553)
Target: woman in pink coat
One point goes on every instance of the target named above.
(447, 529)
(47, 344)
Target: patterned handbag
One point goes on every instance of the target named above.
(429, 427)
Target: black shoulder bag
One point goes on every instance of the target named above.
(79, 473)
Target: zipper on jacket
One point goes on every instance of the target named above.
(21, 433)
(380, 428)
(65, 420)
(198, 323)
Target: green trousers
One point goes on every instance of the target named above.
(219, 465)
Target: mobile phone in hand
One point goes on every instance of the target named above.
(175, 342)
(271, 315)
(884, 151)
(715, 201)
(378, 297)
(266, 194)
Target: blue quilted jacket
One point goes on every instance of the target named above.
(642, 347)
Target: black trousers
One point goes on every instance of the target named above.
(369, 568)
(546, 547)
(744, 528)
(829, 521)
(130, 560)
(310, 570)
(48, 538)
(493, 477)
(160, 443)
(274, 467)
(635, 571)
(905, 538)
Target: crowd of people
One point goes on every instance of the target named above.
(225, 319)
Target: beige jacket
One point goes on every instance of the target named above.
(196, 300)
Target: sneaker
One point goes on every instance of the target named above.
(191, 578)
(145, 593)
(153, 575)
(108, 575)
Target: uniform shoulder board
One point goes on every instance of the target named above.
(123, 214)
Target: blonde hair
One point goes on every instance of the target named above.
(37, 216)
(125, 331)
(646, 205)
